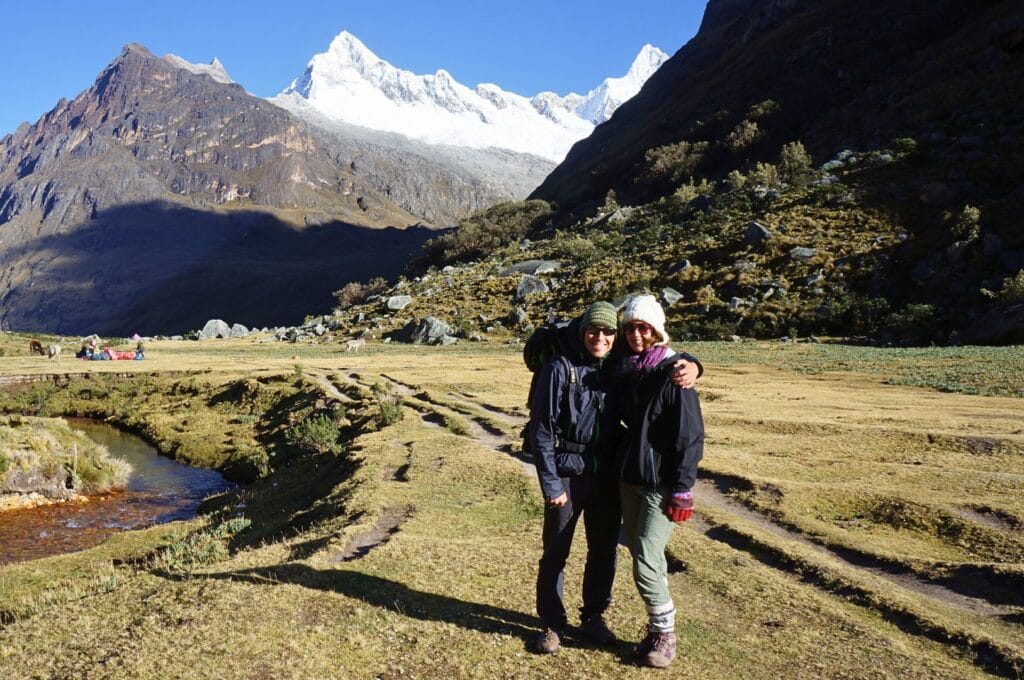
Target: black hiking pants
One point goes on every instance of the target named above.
(597, 499)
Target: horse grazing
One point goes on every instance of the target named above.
(36, 347)
(53, 351)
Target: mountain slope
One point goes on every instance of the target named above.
(839, 74)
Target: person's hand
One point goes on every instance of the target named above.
(684, 374)
(559, 501)
(680, 507)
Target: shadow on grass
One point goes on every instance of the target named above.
(389, 595)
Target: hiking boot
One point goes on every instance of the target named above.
(645, 645)
(596, 630)
(548, 642)
(662, 651)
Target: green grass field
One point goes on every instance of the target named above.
(859, 515)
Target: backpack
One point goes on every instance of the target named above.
(543, 344)
(546, 342)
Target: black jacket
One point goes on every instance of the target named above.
(574, 426)
(665, 431)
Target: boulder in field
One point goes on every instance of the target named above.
(215, 328)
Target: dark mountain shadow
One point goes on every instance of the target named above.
(157, 267)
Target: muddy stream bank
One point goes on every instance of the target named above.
(159, 490)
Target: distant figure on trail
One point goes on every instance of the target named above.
(140, 349)
(657, 464)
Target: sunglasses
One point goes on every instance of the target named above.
(597, 330)
(641, 328)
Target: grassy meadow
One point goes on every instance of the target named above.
(859, 515)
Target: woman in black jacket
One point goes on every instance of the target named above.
(657, 463)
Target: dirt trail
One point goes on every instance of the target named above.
(479, 429)
(328, 384)
(706, 493)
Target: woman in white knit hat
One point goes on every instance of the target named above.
(657, 465)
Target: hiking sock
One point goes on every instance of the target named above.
(662, 617)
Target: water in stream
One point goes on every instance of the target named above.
(159, 490)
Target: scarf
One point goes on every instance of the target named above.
(649, 358)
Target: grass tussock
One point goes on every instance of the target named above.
(47, 456)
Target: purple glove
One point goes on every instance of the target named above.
(680, 507)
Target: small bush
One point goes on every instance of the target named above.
(743, 135)
(795, 165)
(355, 293)
(389, 405)
(967, 226)
(675, 161)
(573, 247)
(762, 109)
(482, 233)
(318, 434)
(1012, 292)
(905, 145)
(765, 174)
(689, 191)
(737, 179)
(5, 463)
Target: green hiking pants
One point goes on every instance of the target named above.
(647, 532)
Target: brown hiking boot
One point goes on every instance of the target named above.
(596, 630)
(663, 650)
(548, 642)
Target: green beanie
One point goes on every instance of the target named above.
(599, 315)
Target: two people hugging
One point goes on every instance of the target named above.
(616, 433)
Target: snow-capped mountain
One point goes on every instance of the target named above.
(214, 69)
(601, 102)
(351, 84)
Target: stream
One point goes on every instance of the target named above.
(159, 490)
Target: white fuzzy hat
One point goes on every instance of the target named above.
(645, 308)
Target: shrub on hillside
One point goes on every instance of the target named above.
(317, 434)
(675, 162)
(743, 135)
(482, 233)
(355, 293)
(905, 145)
(1012, 292)
(968, 224)
(795, 165)
(572, 247)
(764, 174)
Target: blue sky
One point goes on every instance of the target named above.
(56, 48)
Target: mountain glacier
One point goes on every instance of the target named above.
(349, 83)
